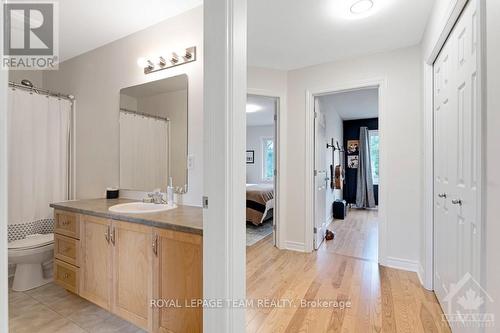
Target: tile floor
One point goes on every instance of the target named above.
(52, 309)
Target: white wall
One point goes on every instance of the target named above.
(437, 21)
(492, 136)
(335, 130)
(401, 129)
(270, 82)
(255, 134)
(96, 77)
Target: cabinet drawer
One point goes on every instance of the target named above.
(67, 223)
(66, 275)
(67, 249)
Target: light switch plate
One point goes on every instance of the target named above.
(190, 162)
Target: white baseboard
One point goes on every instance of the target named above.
(421, 274)
(295, 246)
(403, 264)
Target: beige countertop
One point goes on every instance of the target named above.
(183, 218)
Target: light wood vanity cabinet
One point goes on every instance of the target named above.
(178, 275)
(96, 261)
(122, 266)
(132, 273)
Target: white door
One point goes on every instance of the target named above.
(457, 144)
(320, 175)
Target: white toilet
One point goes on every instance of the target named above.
(29, 254)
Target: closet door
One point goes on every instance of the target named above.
(443, 247)
(457, 125)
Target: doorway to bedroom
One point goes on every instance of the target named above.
(346, 172)
(261, 165)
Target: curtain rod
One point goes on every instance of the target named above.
(143, 114)
(41, 91)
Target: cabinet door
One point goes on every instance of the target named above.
(132, 273)
(95, 278)
(178, 276)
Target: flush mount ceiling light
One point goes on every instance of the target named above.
(361, 6)
(253, 108)
(355, 10)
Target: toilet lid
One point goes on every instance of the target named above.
(32, 241)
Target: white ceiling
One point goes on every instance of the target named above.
(356, 104)
(284, 34)
(263, 117)
(86, 25)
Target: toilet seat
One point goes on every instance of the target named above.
(31, 242)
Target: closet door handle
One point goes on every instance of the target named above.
(457, 202)
(442, 195)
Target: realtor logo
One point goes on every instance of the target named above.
(465, 304)
(29, 35)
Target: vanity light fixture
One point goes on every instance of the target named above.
(361, 6)
(174, 59)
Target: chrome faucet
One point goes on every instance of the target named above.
(156, 197)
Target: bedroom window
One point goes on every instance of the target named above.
(267, 159)
(374, 155)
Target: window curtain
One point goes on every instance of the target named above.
(365, 197)
(38, 154)
(143, 144)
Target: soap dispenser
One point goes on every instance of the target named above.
(170, 192)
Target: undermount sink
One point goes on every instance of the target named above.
(140, 208)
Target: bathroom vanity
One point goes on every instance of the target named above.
(122, 262)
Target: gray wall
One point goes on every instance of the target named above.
(96, 77)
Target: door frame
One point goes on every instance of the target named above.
(426, 271)
(4, 319)
(381, 84)
(279, 140)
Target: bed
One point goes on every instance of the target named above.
(260, 203)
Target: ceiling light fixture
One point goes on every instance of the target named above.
(361, 6)
(253, 108)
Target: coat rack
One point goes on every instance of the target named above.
(334, 146)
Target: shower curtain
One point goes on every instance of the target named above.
(38, 155)
(365, 197)
(143, 146)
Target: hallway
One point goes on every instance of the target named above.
(345, 269)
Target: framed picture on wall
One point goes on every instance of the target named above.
(352, 146)
(250, 156)
(352, 162)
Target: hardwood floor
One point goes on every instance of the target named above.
(356, 236)
(343, 270)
